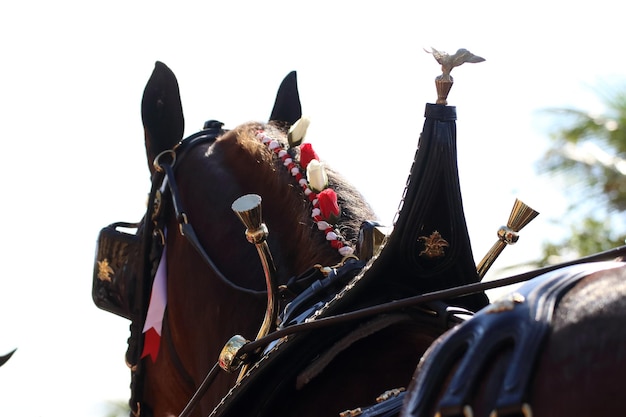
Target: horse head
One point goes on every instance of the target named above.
(215, 286)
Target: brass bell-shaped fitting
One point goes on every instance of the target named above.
(520, 216)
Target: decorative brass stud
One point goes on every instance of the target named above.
(228, 359)
(505, 303)
(104, 270)
(433, 245)
(351, 413)
(389, 394)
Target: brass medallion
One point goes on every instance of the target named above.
(104, 270)
(433, 245)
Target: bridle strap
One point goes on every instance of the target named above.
(185, 227)
(164, 174)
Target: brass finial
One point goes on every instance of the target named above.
(444, 81)
(248, 209)
(520, 216)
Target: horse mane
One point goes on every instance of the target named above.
(288, 195)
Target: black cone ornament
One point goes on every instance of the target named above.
(429, 248)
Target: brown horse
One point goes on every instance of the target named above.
(556, 347)
(215, 287)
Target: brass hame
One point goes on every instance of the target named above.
(248, 209)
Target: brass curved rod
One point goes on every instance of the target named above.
(248, 209)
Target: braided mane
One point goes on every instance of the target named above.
(288, 194)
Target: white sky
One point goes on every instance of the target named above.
(71, 79)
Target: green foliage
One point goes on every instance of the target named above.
(588, 152)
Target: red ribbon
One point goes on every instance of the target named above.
(151, 344)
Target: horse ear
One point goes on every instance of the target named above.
(287, 106)
(161, 112)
